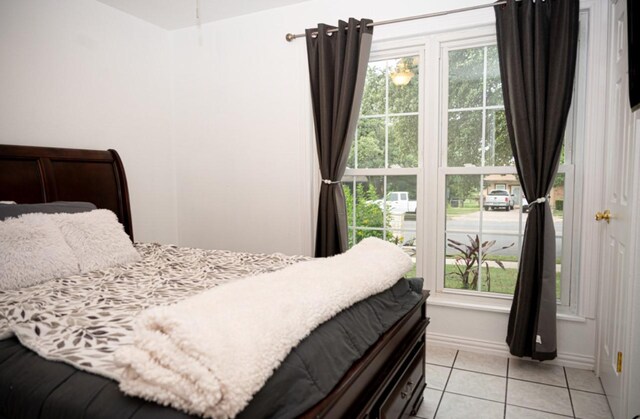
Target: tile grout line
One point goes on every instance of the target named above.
(540, 410)
(586, 391)
(606, 398)
(472, 397)
(506, 390)
(538, 382)
(480, 372)
(445, 385)
(569, 391)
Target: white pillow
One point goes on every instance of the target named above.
(32, 251)
(97, 239)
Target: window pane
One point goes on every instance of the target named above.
(494, 84)
(499, 254)
(401, 201)
(461, 262)
(497, 146)
(502, 230)
(466, 67)
(403, 141)
(370, 143)
(351, 161)
(558, 267)
(406, 239)
(348, 186)
(464, 138)
(373, 101)
(556, 201)
(368, 201)
(403, 85)
(462, 203)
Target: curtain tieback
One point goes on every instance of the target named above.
(540, 200)
(330, 182)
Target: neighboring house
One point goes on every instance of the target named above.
(510, 183)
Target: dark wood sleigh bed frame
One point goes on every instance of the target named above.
(387, 382)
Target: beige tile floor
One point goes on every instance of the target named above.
(468, 385)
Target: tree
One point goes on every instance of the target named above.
(463, 187)
(466, 81)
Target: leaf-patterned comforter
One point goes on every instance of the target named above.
(83, 319)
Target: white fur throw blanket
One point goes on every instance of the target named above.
(209, 354)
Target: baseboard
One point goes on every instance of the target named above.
(501, 349)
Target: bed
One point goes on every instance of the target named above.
(386, 381)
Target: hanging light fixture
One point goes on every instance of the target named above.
(402, 75)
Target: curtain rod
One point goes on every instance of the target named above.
(290, 36)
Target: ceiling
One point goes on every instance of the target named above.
(177, 14)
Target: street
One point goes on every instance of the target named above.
(504, 227)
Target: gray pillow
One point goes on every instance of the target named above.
(65, 207)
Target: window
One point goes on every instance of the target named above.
(484, 208)
(461, 214)
(381, 179)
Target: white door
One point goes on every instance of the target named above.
(616, 260)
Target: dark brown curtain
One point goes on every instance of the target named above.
(537, 46)
(337, 70)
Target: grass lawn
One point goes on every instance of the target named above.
(503, 281)
(451, 211)
(466, 208)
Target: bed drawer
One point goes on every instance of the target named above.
(401, 397)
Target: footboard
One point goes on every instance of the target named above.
(389, 380)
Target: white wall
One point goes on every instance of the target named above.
(243, 127)
(80, 74)
(244, 145)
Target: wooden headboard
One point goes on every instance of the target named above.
(31, 175)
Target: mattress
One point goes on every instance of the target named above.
(32, 387)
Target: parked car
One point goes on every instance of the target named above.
(498, 198)
(525, 204)
(398, 202)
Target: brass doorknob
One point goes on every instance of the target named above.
(606, 215)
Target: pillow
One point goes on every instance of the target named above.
(68, 207)
(97, 239)
(32, 251)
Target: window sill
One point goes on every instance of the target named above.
(489, 304)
